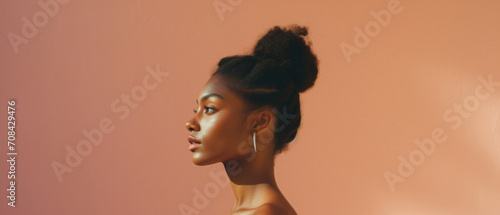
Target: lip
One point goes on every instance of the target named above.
(193, 142)
(193, 146)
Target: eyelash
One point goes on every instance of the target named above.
(205, 107)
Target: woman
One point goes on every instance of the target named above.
(248, 112)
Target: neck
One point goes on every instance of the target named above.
(251, 179)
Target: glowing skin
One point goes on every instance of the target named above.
(219, 124)
(225, 133)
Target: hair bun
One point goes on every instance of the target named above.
(291, 52)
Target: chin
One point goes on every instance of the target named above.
(199, 160)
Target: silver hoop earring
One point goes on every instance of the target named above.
(254, 143)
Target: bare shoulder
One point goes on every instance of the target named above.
(273, 209)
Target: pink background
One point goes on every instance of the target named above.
(358, 119)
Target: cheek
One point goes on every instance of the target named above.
(222, 132)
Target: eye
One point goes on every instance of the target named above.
(209, 109)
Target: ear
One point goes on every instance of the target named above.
(262, 120)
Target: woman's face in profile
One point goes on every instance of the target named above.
(219, 125)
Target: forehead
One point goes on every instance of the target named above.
(216, 85)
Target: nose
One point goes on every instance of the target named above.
(192, 124)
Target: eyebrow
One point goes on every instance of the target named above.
(205, 97)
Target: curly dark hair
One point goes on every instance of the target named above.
(281, 66)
